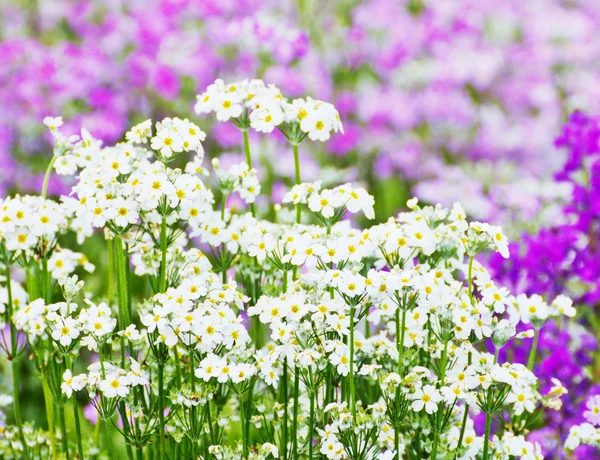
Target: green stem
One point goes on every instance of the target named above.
(243, 427)
(47, 176)
(352, 393)
(77, 427)
(223, 247)
(298, 181)
(463, 426)
(470, 278)
(248, 412)
(284, 447)
(161, 411)
(63, 430)
(436, 438)
(163, 251)
(46, 282)
(443, 364)
(311, 423)
(486, 439)
(13, 358)
(111, 269)
(249, 161)
(397, 442)
(296, 407)
(122, 286)
(400, 327)
(400, 335)
(211, 430)
(111, 448)
(50, 416)
(531, 360)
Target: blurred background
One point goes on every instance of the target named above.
(484, 102)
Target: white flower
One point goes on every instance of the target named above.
(167, 142)
(426, 397)
(115, 385)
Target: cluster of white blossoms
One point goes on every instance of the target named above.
(270, 339)
(331, 203)
(251, 103)
(28, 221)
(588, 433)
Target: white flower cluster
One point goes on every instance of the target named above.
(588, 433)
(262, 107)
(64, 324)
(334, 202)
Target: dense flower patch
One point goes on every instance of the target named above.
(284, 331)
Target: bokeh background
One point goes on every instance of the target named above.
(490, 103)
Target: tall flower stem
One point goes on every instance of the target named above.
(161, 411)
(295, 414)
(111, 448)
(532, 352)
(400, 335)
(463, 426)
(298, 181)
(50, 416)
(311, 423)
(223, 246)
(77, 427)
(436, 436)
(63, 430)
(470, 278)
(122, 285)
(13, 358)
(351, 374)
(163, 252)
(249, 161)
(284, 447)
(243, 428)
(486, 439)
(47, 176)
(284, 387)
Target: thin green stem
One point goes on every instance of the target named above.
(533, 351)
(401, 329)
(46, 282)
(486, 439)
(211, 430)
(470, 278)
(249, 161)
(351, 374)
(243, 428)
(47, 176)
(63, 430)
(284, 446)
(50, 416)
(311, 423)
(13, 358)
(161, 411)
(111, 269)
(400, 335)
(122, 285)
(163, 250)
(298, 181)
(111, 448)
(463, 426)
(295, 414)
(77, 427)
(248, 412)
(436, 438)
